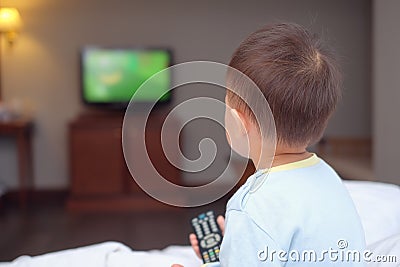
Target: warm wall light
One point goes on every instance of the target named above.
(10, 23)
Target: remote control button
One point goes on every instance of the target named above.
(217, 237)
(210, 241)
(205, 256)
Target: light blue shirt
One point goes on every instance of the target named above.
(298, 214)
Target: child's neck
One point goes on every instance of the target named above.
(284, 155)
(289, 157)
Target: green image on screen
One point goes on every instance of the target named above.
(114, 76)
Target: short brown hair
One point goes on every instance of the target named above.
(298, 76)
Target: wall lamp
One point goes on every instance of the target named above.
(10, 23)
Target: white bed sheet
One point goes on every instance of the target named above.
(110, 254)
(378, 205)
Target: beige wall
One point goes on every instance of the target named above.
(386, 88)
(42, 67)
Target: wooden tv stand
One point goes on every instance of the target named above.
(100, 179)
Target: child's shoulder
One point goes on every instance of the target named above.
(295, 191)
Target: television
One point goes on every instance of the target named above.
(111, 76)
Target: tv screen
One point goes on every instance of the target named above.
(112, 76)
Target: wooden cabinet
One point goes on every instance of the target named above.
(100, 179)
(21, 130)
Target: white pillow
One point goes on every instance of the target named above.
(378, 205)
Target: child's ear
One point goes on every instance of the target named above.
(237, 132)
(240, 121)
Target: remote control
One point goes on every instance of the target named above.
(209, 236)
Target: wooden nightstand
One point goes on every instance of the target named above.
(21, 130)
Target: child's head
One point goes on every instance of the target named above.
(298, 76)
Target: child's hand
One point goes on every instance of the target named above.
(195, 243)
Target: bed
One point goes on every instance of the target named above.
(378, 205)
